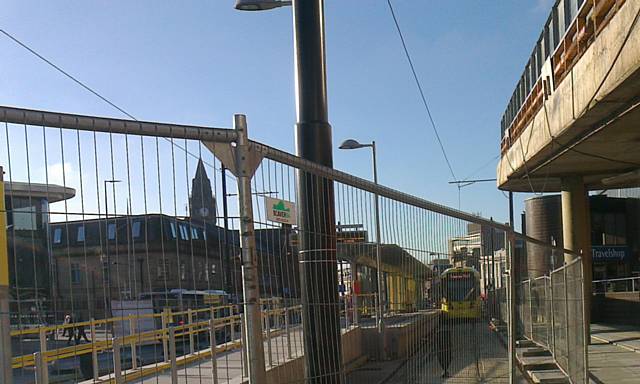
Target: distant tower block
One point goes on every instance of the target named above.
(202, 202)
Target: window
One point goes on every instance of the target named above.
(183, 272)
(24, 219)
(194, 233)
(184, 233)
(80, 237)
(135, 229)
(75, 273)
(172, 225)
(162, 269)
(57, 236)
(111, 231)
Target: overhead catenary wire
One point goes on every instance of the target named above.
(420, 89)
(92, 91)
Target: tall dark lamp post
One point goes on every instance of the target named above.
(354, 144)
(316, 221)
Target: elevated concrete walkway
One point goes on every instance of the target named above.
(593, 110)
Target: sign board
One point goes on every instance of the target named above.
(280, 211)
(604, 253)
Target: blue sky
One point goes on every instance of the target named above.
(199, 62)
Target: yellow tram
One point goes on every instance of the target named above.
(461, 293)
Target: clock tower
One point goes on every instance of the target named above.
(202, 202)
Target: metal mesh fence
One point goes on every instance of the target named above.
(552, 316)
(577, 358)
(147, 252)
(540, 310)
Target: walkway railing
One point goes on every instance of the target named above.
(569, 31)
(626, 284)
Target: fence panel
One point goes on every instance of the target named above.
(560, 316)
(540, 319)
(396, 314)
(115, 238)
(576, 329)
(130, 240)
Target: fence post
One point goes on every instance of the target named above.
(232, 324)
(132, 344)
(268, 331)
(243, 346)
(42, 334)
(511, 304)
(94, 350)
(553, 319)
(192, 346)
(166, 314)
(585, 330)
(6, 372)
(214, 344)
(41, 371)
(246, 162)
(117, 368)
(531, 310)
(566, 312)
(287, 331)
(172, 355)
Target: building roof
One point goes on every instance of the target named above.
(53, 193)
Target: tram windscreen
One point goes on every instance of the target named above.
(460, 286)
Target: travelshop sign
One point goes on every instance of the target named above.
(610, 252)
(281, 211)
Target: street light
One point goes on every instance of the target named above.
(354, 144)
(260, 5)
(318, 231)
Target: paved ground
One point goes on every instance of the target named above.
(477, 355)
(614, 354)
(229, 365)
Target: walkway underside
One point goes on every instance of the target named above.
(588, 124)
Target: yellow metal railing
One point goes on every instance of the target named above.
(188, 329)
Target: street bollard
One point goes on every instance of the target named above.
(43, 350)
(288, 333)
(214, 347)
(172, 355)
(94, 351)
(132, 345)
(117, 368)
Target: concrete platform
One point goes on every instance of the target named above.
(610, 363)
(554, 376)
(535, 363)
(532, 352)
(623, 336)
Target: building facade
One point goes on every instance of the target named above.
(615, 235)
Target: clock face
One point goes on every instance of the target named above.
(204, 212)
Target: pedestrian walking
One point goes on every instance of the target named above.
(443, 336)
(70, 330)
(80, 332)
(67, 321)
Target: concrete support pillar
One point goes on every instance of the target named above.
(576, 233)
